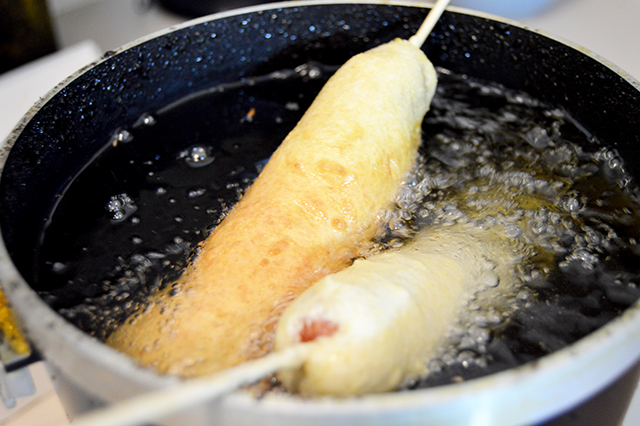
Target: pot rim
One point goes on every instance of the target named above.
(13, 135)
(537, 383)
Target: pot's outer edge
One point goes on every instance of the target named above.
(528, 394)
(27, 302)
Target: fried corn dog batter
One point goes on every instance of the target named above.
(376, 324)
(314, 203)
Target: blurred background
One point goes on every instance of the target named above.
(44, 41)
(604, 27)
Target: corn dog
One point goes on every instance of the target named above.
(304, 217)
(376, 324)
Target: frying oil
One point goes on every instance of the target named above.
(491, 158)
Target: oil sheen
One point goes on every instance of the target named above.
(491, 157)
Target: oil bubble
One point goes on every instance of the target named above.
(197, 156)
(538, 138)
(196, 192)
(121, 136)
(121, 207)
(59, 267)
(145, 119)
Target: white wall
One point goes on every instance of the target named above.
(58, 7)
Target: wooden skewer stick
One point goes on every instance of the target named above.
(430, 21)
(152, 406)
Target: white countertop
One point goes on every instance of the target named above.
(86, 28)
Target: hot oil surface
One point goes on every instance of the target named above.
(490, 158)
(500, 160)
(136, 213)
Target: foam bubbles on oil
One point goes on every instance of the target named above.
(197, 156)
(120, 207)
(499, 160)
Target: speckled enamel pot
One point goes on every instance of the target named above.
(76, 120)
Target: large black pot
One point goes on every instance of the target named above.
(77, 120)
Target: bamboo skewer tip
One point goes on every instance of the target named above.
(429, 23)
